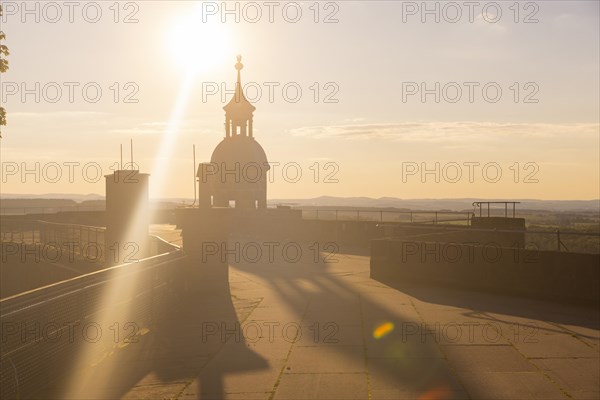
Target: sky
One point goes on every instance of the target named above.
(491, 100)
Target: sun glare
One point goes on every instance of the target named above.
(198, 46)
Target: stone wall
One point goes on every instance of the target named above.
(541, 274)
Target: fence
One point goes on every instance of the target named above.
(554, 240)
(383, 216)
(564, 241)
(81, 238)
(37, 338)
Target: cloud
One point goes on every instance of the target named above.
(57, 114)
(92, 122)
(454, 132)
(146, 128)
(160, 127)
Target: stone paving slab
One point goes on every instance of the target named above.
(509, 386)
(326, 359)
(342, 386)
(486, 358)
(578, 376)
(555, 345)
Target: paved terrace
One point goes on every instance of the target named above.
(357, 339)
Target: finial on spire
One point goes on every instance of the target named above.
(239, 64)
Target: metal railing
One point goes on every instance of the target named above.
(87, 237)
(381, 216)
(548, 240)
(565, 241)
(481, 204)
(37, 326)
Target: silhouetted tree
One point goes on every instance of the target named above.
(3, 68)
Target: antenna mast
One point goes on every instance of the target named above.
(131, 147)
(195, 191)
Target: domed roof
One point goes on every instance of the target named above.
(238, 105)
(240, 149)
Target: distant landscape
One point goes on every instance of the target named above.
(460, 204)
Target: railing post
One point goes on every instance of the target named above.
(558, 239)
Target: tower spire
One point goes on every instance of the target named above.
(239, 66)
(238, 112)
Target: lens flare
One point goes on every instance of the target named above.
(437, 393)
(383, 330)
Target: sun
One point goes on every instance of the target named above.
(197, 46)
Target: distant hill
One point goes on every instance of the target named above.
(79, 198)
(438, 204)
(51, 203)
(41, 202)
(62, 196)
